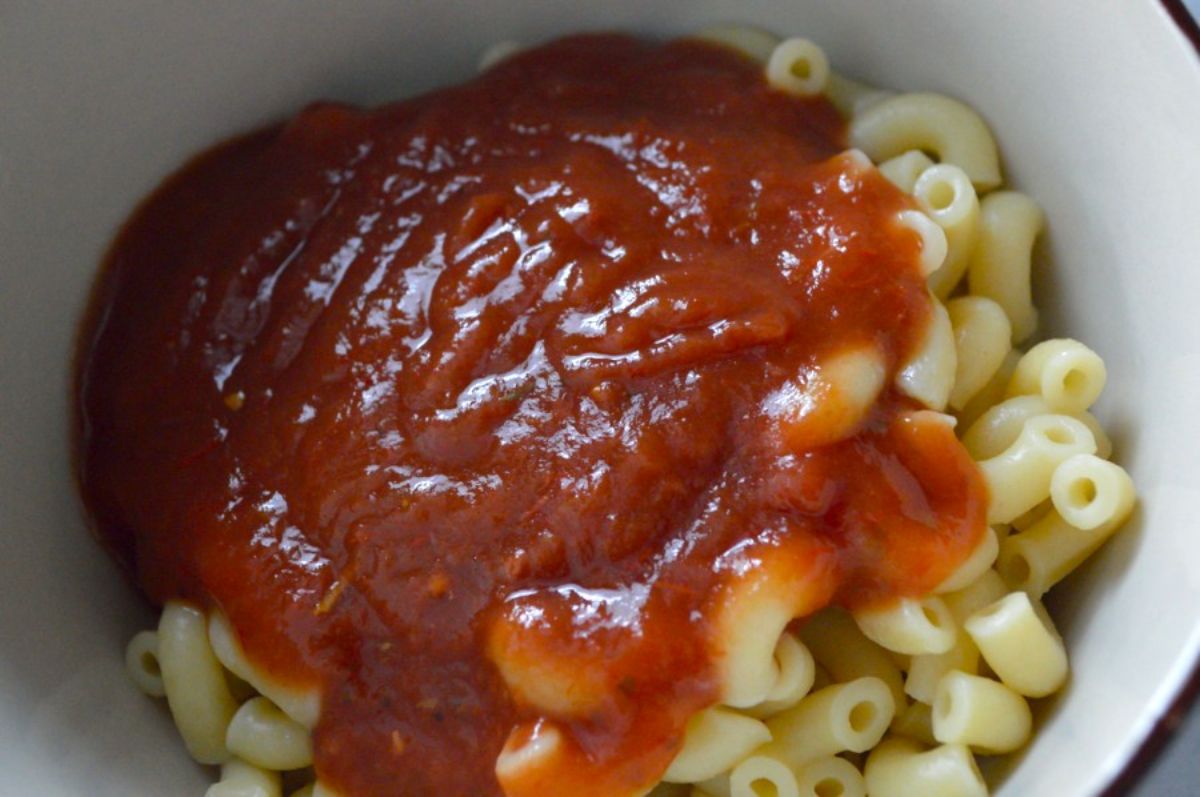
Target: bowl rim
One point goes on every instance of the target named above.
(1166, 725)
(1164, 730)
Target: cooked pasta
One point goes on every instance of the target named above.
(987, 589)
(1037, 558)
(904, 170)
(926, 672)
(1018, 478)
(796, 675)
(974, 566)
(239, 779)
(1066, 374)
(716, 740)
(985, 715)
(851, 716)
(912, 627)
(194, 682)
(945, 194)
(1001, 262)
(141, 660)
(264, 736)
(798, 67)
(851, 97)
(901, 768)
(845, 654)
(751, 42)
(928, 375)
(1020, 644)
(830, 776)
(914, 685)
(763, 776)
(981, 341)
(933, 123)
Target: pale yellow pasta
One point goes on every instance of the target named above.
(320, 790)
(851, 97)
(1066, 374)
(945, 194)
(1042, 555)
(500, 51)
(981, 342)
(903, 170)
(1001, 425)
(928, 375)
(763, 776)
(798, 67)
(240, 779)
(830, 777)
(915, 722)
(985, 715)
(899, 768)
(998, 427)
(845, 653)
(553, 685)
(927, 671)
(263, 735)
(715, 740)
(304, 706)
(1089, 492)
(1002, 259)
(991, 393)
(1018, 478)
(751, 617)
(934, 123)
(528, 751)
(932, 239)
(751, 42)
(840, 393)
(796, 672)
(988, 588)
(855, 159)
(141, 662)
(1020, 644)
(909, 625)
(980, 560)
(197, 694)
(851, 716)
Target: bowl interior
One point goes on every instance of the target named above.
(1099, 122)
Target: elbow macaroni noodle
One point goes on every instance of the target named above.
(902, 684)
(945, 194)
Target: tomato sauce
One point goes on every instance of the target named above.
(499, 371)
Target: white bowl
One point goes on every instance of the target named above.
(1096, 106)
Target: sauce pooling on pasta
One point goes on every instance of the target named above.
(477, 411)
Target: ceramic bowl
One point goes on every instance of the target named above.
(1097, 110)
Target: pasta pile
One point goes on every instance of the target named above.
(896, 702)
(891, 702)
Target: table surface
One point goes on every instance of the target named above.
(1176, 772)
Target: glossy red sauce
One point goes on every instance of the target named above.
(502, 368)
